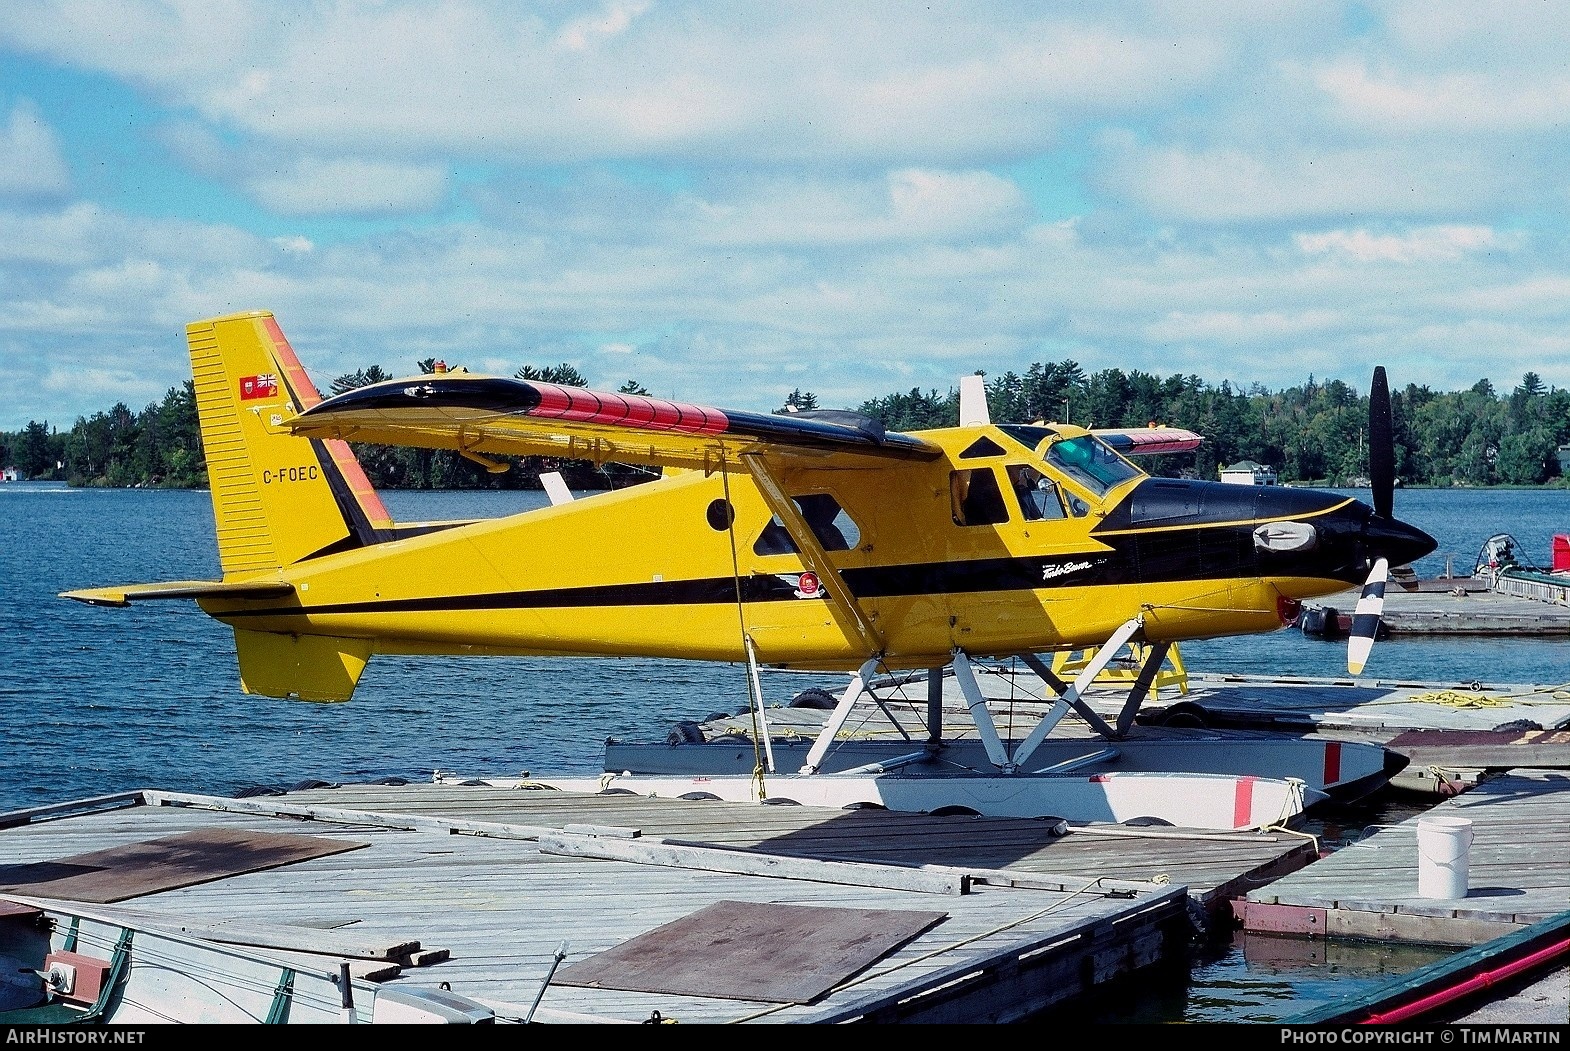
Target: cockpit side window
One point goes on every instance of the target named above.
(975, 498)
(835, 529)
(1091, 462)
(1037, 496)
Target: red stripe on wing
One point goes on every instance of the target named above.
(1163, 439)
(583, 406)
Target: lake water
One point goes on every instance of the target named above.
(99, 700)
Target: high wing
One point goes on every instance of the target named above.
(1149, 441)
(487, 415)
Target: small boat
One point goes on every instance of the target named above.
(1508, 570)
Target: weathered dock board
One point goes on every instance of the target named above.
(1376, 706)
(1519, 873)
(498, 879)
(1459, 611)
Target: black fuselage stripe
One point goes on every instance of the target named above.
(1158, 557)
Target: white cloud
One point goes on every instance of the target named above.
(1277, 182)
(1232, 327)
(612, 21)
(31, 164)
(350, 186)
(1451, 102)
(740, 326)
(909, 205)
(830, 83)
(1506, 34)
(1430, 244)
(1537, 296)
(728, 201)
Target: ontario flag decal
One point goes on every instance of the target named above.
(263, 386)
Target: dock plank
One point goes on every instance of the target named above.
(1518, 862)
(1044, 914)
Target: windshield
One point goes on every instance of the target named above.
(1091, 462)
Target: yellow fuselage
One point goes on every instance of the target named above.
(646, 571)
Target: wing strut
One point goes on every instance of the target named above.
(965, 675)
(1063, 690)
(843, 605)
(755, 701)
(853, 692)
(1141, 688)
(1082, 683)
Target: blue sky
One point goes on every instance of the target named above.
(729, 201)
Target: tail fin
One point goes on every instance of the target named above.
(277, 499)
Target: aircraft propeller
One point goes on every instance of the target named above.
(1382, 479)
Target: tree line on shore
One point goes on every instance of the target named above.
(1313, 433)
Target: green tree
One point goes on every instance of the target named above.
(914, 411)
(364, 378)
(563, 375)
(35, 459)
(799, 400)
(1524, 459)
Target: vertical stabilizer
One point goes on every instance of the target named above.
(277, 498)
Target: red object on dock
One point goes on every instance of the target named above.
(1561, 551)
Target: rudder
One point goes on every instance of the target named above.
(277, 498)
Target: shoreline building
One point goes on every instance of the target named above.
(1247, 472)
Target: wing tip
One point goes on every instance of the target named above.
(98, 596)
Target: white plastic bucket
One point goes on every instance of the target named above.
(1444, 848)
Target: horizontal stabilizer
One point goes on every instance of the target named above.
(1149, 441)
(125, 594)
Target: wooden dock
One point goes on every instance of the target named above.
(1519, 874)
(661, 906)
(1471, 607)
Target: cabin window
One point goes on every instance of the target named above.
(834, 528)
(982, 446)
(1027, 435)
(1037, 496)
(720, 515)
(1091, 462)
(976, 499)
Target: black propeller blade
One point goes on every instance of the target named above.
(1382, 482)
(1381, 445)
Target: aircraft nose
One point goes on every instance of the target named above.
(1327, 535)
(1395, 541)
